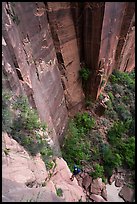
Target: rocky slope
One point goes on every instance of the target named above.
(25, 178)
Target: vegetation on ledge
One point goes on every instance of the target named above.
(23, 124)
(108, 142)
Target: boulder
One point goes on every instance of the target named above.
(96, 186)
(82, 175)
(117, 95)
(87, 170)
(127, 194)
(87, 180)
(97, 198)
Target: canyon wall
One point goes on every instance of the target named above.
(44, 44)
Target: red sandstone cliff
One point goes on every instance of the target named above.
(43, 45)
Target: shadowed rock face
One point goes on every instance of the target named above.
(43, 45)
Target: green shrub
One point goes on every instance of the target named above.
(123, 78)
(105, 122)
(125, 99)
(76, 147)
(132, 127)
(109, 105)
(84, 122)
(24, 126)
(111, 96)
(100, 97)
(110, 113)
(99, 171)
(84, 73)
(49, 164)
(128, 153)
(118, 88)
(59, 192)
(116, 132)
(123, 113)
(113, 79)
(111, 160)
(88, 102)
(96, 154)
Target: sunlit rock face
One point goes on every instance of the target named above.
(44, 45)
(26, 178)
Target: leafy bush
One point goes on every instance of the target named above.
(101, 97)
(125, 99)
(99, 171)
(124, 147)
(88, 102)
(84, 122)
(84, 73)
(24, 125)
(76, 147)
(111, 160)
(132, 127)
(128, 153)
(111, 96)
(116, 131)
(59, 192)
(109, 104)
(96, 154)
(123, 78)
(118, 88)
(123, 113)
(110, 113)
(113, 79)
(105, 122)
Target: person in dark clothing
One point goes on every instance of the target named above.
(75, 172)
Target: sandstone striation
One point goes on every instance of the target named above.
(44, 45)
(30, 178)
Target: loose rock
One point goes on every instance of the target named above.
(96, 186)
(87, 180)
(127, 194)
(97, 198)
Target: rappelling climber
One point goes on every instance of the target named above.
(76, 171)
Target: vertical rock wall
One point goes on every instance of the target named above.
(64, 37)
(105, 33)
(31, 43)
(44, 44)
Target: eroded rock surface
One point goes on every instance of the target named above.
(30, 178)
(127, 194)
